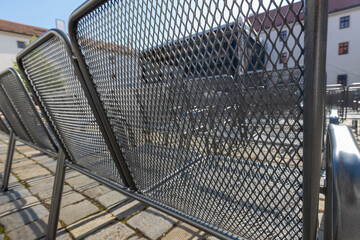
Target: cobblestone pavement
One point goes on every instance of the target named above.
(89, 210)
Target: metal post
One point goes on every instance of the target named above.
(56, 196)
(316, 12)
(9, 159)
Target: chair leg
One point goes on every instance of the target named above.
(8, 163)
(56, 196)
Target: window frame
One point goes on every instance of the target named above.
(282, 38)
(282, 59)
(343, 48)
(343, 21)
(21, 44)
(340, 78)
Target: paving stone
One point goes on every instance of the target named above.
(24, 148)
(71, 173)
(322, 196)
(321, 206)
(118, 231)
(77, 211)
(90, 224)
(184, 231)
(321, 220)
(127, 210)
(81, 182)
(42, 185)
(137, 238)
(30, 172)
(152, 223)
(33, 230)
(60, 235)
(43, 158)
(31, 153)
(68, 198)
(13, 179)
(111, 199)
(25, 216)
(48, 193)
(96, 191)
(17, 204)
(12, 195)
(22, 163)
(50, 165)
(18, 156)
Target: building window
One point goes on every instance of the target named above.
(343, 48)
(283, 35)
(344, 22)
(20, 44)
(342, 79)
(283, 58)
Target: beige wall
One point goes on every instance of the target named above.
(9, 48)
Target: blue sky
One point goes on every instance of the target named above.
(39, 13)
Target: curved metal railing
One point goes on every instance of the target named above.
(342, 204)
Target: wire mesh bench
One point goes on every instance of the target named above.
(193, 118)
(23, 118)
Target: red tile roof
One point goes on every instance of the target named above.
(277, 17)
(280, 15)
(338, 5)
(19, 28)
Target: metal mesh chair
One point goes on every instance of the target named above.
(20, 99)
(23, 117)
(53, 78)
(180, 106)
(213, 128)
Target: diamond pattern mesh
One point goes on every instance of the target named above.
(335, 99)
(205, 108)
(51, 74)
(4, 125)
(12, 117)
(25, 108)
(353, 103)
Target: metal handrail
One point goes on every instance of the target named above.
(342, 184)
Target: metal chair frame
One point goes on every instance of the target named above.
(315, 22)
(14, 135)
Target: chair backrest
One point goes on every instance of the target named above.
(51, 73)
(205, 101)
(12, 84)
(4, 125)
(11, 115)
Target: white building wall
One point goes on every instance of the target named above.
(9, 48)
(275, 47)
(348, 63)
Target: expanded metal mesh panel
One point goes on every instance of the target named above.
(205, 106)
(4, 125)
(335, 100)
(51, 73)
(25, 108)
(12, 117)
(353, 104)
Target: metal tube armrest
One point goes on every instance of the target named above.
(342, 215)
